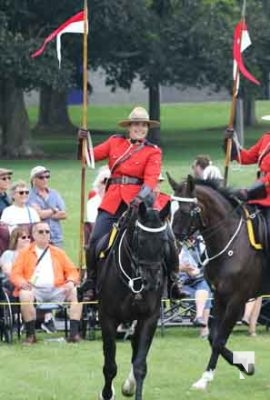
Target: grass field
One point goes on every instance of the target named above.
(57, 371)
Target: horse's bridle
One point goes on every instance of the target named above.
(195, 212)
(131, 281)
(196, 219)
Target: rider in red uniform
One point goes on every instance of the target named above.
(135, 166)
(259, 192)
(259, 153)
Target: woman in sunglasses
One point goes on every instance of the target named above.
(19, 239)
(19, 213)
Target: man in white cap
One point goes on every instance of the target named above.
(5, 178)
(135, 166)
(48, 203)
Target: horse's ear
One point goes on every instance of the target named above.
(174, 185)
(190, 185)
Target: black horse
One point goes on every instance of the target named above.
(233, 267)
(130, 281)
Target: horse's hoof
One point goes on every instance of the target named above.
(251, 369)
(202, 383)
(128, 388)
(100, 397)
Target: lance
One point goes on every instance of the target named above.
(86, 143)
(233, 108)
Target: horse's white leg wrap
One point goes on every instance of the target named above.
(129, 386)
(201, 384)
(100, 397)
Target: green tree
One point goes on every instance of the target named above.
(161, 41)
(20, 23)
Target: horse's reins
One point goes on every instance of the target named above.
(130, 280)
(207, 259)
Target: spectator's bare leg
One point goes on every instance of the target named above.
(201, 297)
(29, 315)
(205, 331)
(75, 313)
(248, 311)
(27, 307)
(254, 316)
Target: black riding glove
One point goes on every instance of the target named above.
(145, 195)
(229, 134)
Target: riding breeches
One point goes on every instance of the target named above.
(104, 223)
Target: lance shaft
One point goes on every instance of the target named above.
(84, 145)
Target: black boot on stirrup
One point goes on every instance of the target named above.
(87, 291)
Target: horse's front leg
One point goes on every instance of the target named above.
(226, 318)
(108, 328)
(141, 342)
(208, 374)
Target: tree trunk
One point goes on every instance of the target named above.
(249, 111)
(14, 121)
(53, 111)
(154, 111)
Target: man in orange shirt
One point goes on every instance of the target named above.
(43, 273)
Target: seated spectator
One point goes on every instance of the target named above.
(43, 273)
(19, 239)
(19, 213)
(194, 284)
(4, 237)
(94, 199)
(203, 168)
(251, 315)
(47, 202)
(5, 178)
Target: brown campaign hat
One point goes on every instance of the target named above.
(139, 114)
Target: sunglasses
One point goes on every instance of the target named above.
(42, 231)
(41, 177)
(22, 192)
(25, 237)
(5, 178)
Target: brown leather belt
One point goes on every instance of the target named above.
(125, 180)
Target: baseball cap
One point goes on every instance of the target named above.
(4, 171)
(39, 169)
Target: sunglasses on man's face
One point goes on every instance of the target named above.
(5, 178)
(22, 192)
(43, 231)
(42, 177)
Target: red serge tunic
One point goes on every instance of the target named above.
(259, 153)
(143, 164)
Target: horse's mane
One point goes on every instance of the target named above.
(227, 192)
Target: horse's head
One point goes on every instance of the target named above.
(147, 237)
(186, 212)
